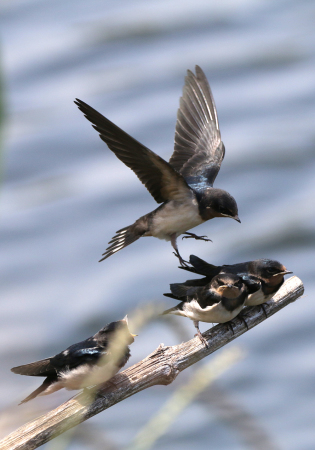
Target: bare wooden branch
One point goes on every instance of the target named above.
(160, 367)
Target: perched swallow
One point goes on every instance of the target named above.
(219, 301)
(90, 362)
(270, 274)
(184, 185)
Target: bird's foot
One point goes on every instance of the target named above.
(229, 326)
(242, 319)
(182, 262)
(199, 238)
(264, 309)
(203, 340)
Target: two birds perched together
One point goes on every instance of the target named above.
(184, 188)
(220, 296)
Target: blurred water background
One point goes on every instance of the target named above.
(64, 194)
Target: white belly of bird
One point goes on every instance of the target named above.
(83, 376)
(211, 314)
(175, 217)
(257, 298)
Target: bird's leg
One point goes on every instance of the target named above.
(199, 238)
(203, 340)
(182, 262)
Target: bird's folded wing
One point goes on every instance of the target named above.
(172, 296)
(88, 354)
(74, 357)
(40, 368)
(253, 283)
(198, 151)
(158, 176)
(206, 298)
(198, 282)
(179, 290)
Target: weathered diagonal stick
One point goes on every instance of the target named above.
(161, 367)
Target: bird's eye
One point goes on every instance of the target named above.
(224, 211)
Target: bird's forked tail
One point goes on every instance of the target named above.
(124, 237)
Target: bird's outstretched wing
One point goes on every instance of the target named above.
(198, 151)
(41, 368)
(162, 181)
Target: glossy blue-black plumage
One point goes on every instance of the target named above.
(93, 351)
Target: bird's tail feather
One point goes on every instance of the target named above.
(169, 311)
(202, 267)
(122, 238)
(173, 310)
(37, 391)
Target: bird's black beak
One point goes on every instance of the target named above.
(285, 272)
(237, 219)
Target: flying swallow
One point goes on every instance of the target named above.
(270, 274)
(92, 361)
(219, 301)
(184, 185)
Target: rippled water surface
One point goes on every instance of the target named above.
(64, 194)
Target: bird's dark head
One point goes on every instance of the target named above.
(227, 285)
(217, 203)
(272, 272)
(116, 330)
